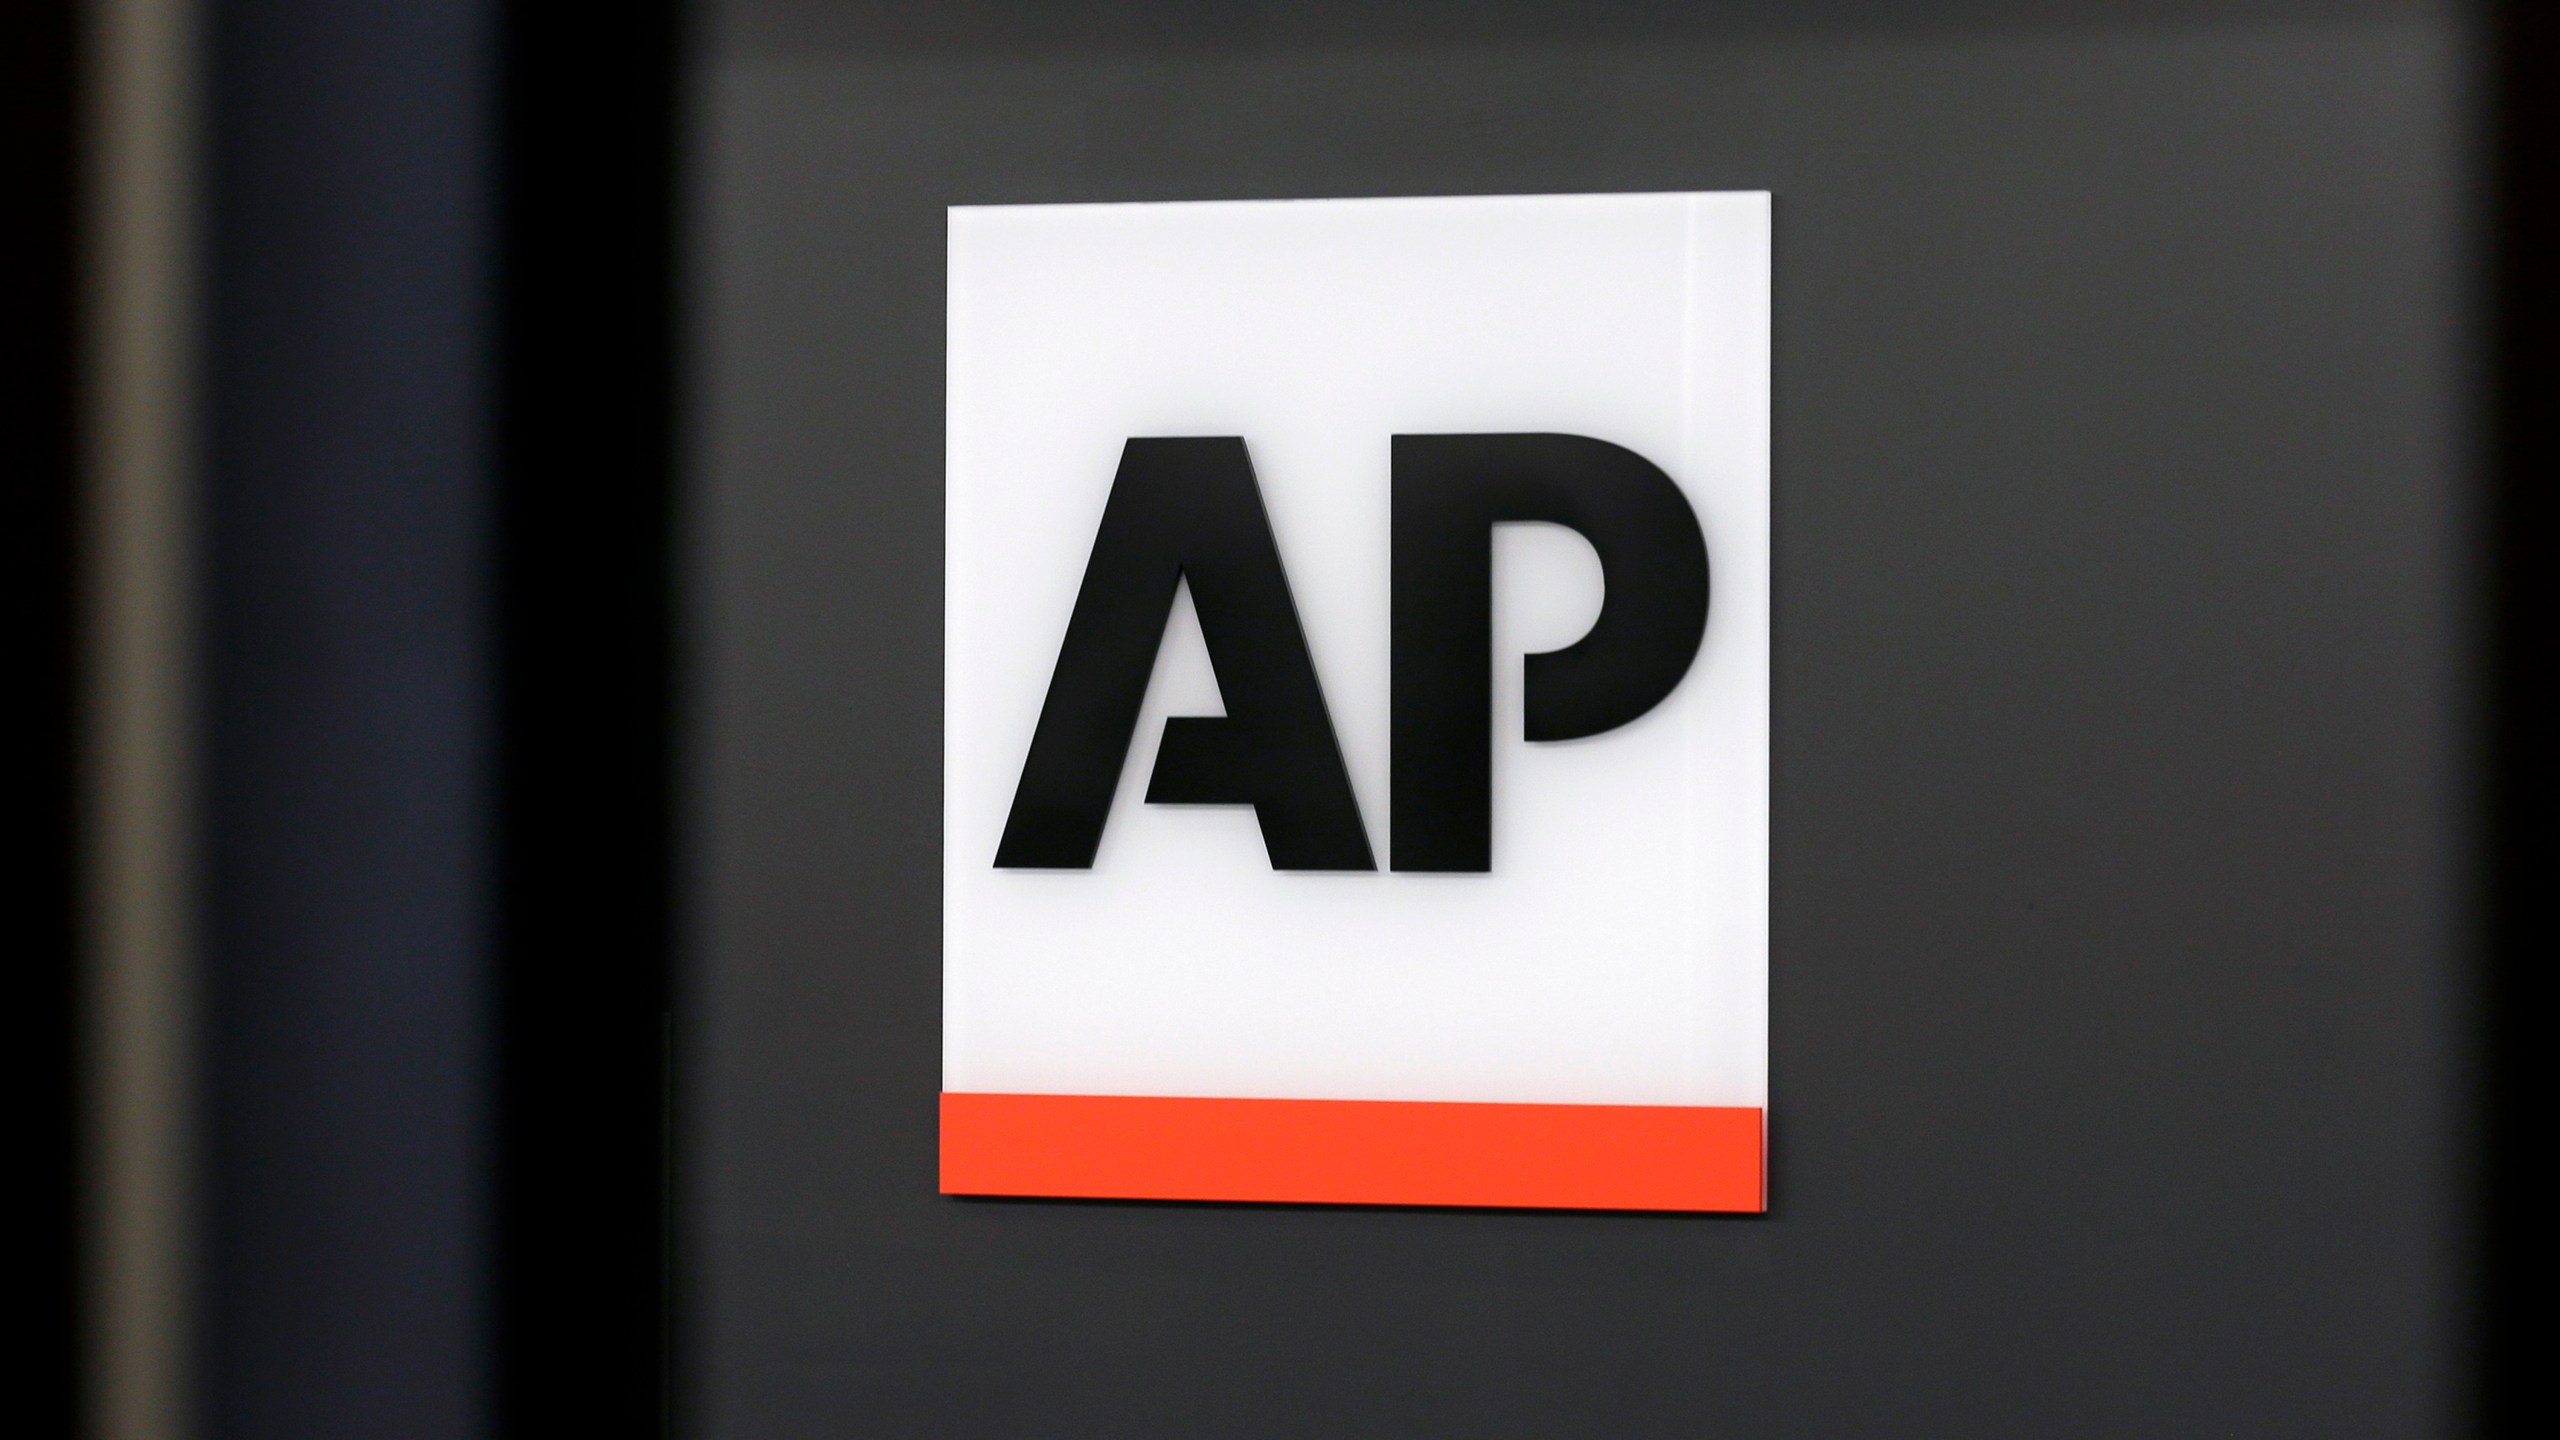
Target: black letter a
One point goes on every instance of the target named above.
(1186, 509)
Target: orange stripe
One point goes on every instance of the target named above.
(1355, 1152)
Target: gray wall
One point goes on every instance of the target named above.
(347, 684)
(2124, 443)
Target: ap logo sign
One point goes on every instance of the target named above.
(1356, 728)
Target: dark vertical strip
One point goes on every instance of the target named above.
(346, 689)
(584, 878)
(39, 54)
(2513, 1257)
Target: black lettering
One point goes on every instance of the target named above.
(1186, 510)
(1450, 491)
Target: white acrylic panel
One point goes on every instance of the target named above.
(1617, 953)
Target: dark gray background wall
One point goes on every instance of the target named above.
(2125, 457)
(346, 682)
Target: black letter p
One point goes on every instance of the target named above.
(1450, 491)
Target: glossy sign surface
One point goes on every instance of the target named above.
(1600, 952)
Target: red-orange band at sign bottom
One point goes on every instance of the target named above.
(1354, 1152)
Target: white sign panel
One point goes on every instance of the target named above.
(1457, 511)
